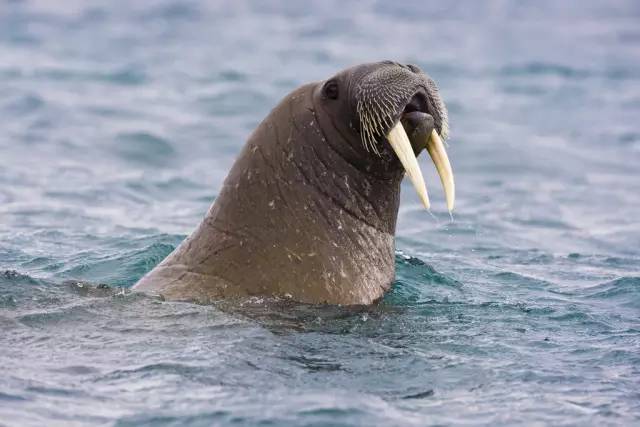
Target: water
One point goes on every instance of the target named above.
(121, 119)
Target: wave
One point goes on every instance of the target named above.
(623, 290)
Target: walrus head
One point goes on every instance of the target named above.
(396, 111)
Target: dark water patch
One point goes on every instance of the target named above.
(173, 11)
(582, 319)
(54, 317)
(165, 189)
(42, 263)
(458, 227)
(92, 15)
(414, 267)
(601, 261)
(114, 113)
(630, 138)
(542, 222)
(19, 290)
(24, 105)
(10, 73)
(420, 395)
(146, 238)
(417, 281)
(41, 124)
(622, 73)
(54, 391)
(79, 370)
(6, 397)
(6, 197)
(8, 322)
(8, 301)
(70, 196)
(155, 369)
(233, 102)
(534, 69)
(520, 280)
(126, 76)
(203, 419)
(621, 356)
(315, 364)
(538, 259)
(283, 316)
(525, 89)
(517, 307)
(624, 290)
(144, 148)
(119, 269)
(23, 39)
(232, 75)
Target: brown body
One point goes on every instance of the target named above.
(307, 211)
(294, 219)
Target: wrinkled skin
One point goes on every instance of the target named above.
(308, 211)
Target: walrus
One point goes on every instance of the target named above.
(308, 210)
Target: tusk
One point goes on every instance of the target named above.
(399, 141)
(436, 150)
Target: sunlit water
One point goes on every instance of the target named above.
(120, 119)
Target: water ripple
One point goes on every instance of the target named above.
(121, 119)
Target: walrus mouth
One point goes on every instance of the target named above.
(393, 94)
(401, 145)
(399, 141)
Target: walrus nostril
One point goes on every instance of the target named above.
(410, 108)
(417, 103)
(414, 68)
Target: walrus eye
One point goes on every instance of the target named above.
(330, 89)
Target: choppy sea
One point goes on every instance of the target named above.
(119, 121)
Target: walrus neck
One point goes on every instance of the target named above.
(326, 165)
(294, 217)
(332, 164)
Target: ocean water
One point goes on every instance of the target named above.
(120, 119)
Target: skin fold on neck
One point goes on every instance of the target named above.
(296, 211)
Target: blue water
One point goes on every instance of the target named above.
(120, 119)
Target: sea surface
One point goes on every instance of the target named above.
(120, 119)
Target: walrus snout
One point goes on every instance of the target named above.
(418, 126)
(417, 122)
(400, 105)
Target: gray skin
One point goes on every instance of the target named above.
(308, 210)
